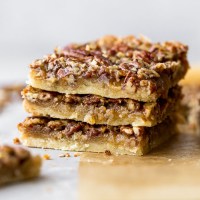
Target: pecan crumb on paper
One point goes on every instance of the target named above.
(46, 157)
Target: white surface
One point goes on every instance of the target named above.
(33, 28)
(59, 176)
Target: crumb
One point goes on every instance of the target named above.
(108, 153)
(16, 141)
(67, 155)
(76, 154)
(169, 160)
(46, 157)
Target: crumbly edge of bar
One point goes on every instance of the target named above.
(120, 141)
(17, 164)
(98, 110)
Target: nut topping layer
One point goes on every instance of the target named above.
(83, 133)
(41, 96)
(123, 60)
(67, 128)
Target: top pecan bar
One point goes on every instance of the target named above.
(113, 67)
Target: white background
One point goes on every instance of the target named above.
(30, 29)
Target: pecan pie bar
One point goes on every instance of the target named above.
(80, 136)
(17, 164)
(113, 67)
(95, 109)
(191, 107)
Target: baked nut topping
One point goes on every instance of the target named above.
(121, 58)
(67, 128)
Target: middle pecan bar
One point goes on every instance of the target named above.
(94, 109)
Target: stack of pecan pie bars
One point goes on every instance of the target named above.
(113, 94)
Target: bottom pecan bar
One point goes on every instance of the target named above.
(80, 136)
(17, 164)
